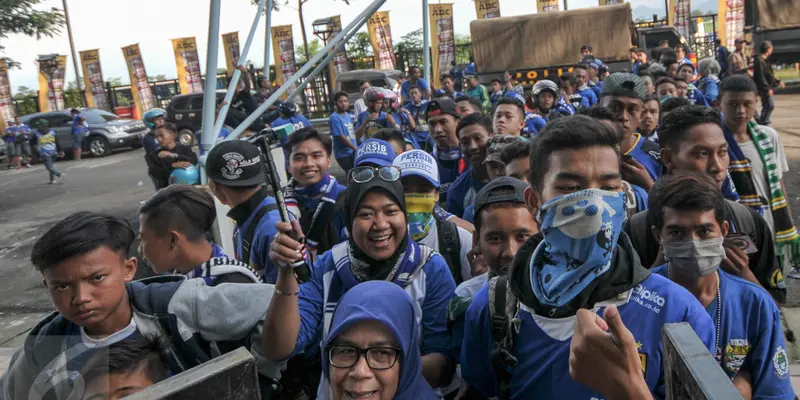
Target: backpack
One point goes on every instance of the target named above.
(450, 247)
(247, 238)
(503, 309)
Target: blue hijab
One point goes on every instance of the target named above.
(388, 303)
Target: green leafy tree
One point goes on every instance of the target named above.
(313, 48)
(73, 96)
(359, 50)
(157, 78)
(25, 100)
(21, 17)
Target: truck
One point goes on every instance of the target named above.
(552, 42)
(777, 21)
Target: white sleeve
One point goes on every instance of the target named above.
(466, 245)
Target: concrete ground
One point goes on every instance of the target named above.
(116, 184)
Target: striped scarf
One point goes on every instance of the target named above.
(741, 173)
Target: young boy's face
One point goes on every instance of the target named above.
(309, 162)
(89, 289)
(165, 138)
(159, 250)
(496, 86)
(416, 95)
(116, 386)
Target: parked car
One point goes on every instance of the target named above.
(349, 81)
(3, 151)
(186, 112)
(107, 132)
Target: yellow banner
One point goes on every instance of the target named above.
(380, 35)
(283, 52)
(140, 87)
(486, 9)
(94, 86)
(230, 44)
(443, 41)
(339, 63)
(610, 2)
(722, 22)
(7, 112)
(188, 64)
(51, 83)
(679, 16)
(544, 6)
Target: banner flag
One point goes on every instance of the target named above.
(51, 83)
(380, 34)
(230, 44)
(143, 98)
(188, 63)
(94, 86)
(443, 41)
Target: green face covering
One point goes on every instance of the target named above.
(419, 211)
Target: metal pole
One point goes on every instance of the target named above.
(356, 24)
(210, 89)
(426, 42)
(75, 62)
(223, 112)
(566, 6)
(267, 40)
(324, 63)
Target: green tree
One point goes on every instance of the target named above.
(115, 81)
(73, 96)
(411, 41)
(21, 17)
(25, 100)
(313, 48)
(359, 49)
(157, 78)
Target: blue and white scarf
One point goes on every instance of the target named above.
(295, 195)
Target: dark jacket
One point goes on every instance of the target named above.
(763, 75)
(160, 168)
(763, 264)
(190, 314)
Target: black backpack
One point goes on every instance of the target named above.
(450, 247)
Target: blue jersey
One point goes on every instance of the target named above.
(418, 113)
(469, 214)
(11, 134)
(588, 94)
(380, 122)
(534, 123)
(641, 196)
(262, 238)
(450, 167)
(341, 125)
(430, 289)
(751, 337)
(24, 132)
(297, 120)
(79, 125)
(596, 88)
(470, 69)
(47, 143)
(542, 344)
(462, 193)
(223, 134)
(647, 154)
(405, 87)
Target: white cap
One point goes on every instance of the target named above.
(418, 163)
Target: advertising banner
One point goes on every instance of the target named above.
(544, 6)
(443, 41)
(679, 15)
(730, 22)
(140, 88)
(188, 64)
(230, 44)
(380, 35)
(94, 86)
(486, 9)
(339, 63)
(283, 52)
(7, 112)
(610, 2)
(51, 83)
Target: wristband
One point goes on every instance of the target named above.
(288, 294)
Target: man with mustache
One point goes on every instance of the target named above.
(473, 132)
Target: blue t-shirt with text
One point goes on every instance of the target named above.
(341, 125)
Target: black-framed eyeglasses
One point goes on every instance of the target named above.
(378, 358)
(366, 174)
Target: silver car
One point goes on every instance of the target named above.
(107, 131)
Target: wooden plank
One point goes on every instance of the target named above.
(228, 377)
(690, 371)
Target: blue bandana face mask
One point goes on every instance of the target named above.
(580, 232)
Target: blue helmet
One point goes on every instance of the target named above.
(185, 176)
(150, 116)
(287, 108)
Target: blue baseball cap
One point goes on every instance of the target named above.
(516, 96)
(376, 152)
(418, 163)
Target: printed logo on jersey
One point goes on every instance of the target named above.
(776, 280)
(780, 362)
(654, 154)
(735, 352)
(648, 299)
(642, 356)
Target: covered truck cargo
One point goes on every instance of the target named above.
(551, 39)
(778, 14)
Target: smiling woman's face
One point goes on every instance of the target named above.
(360, 381)
(379, 225)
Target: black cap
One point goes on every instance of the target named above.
(504, 189)
(442, 105)
(235, 163)
(624, 84)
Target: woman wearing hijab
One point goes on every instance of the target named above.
(372, 349)
(708, 84)
(379, 249)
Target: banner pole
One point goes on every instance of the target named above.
(210, 89)
(426, 42)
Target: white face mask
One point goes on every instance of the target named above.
(694, 258)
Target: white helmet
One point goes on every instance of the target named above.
(545, 85)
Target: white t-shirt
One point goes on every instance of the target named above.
(432, 241)
(358, 107)
(760, 173)
(471, 287)
(115, 337)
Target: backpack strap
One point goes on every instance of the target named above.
(741, 217)
(631, 207)
(503, 307)
(450, 247)
(247, 239)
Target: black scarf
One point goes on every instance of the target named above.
(626, 272)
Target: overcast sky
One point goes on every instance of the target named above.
(109, 25)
